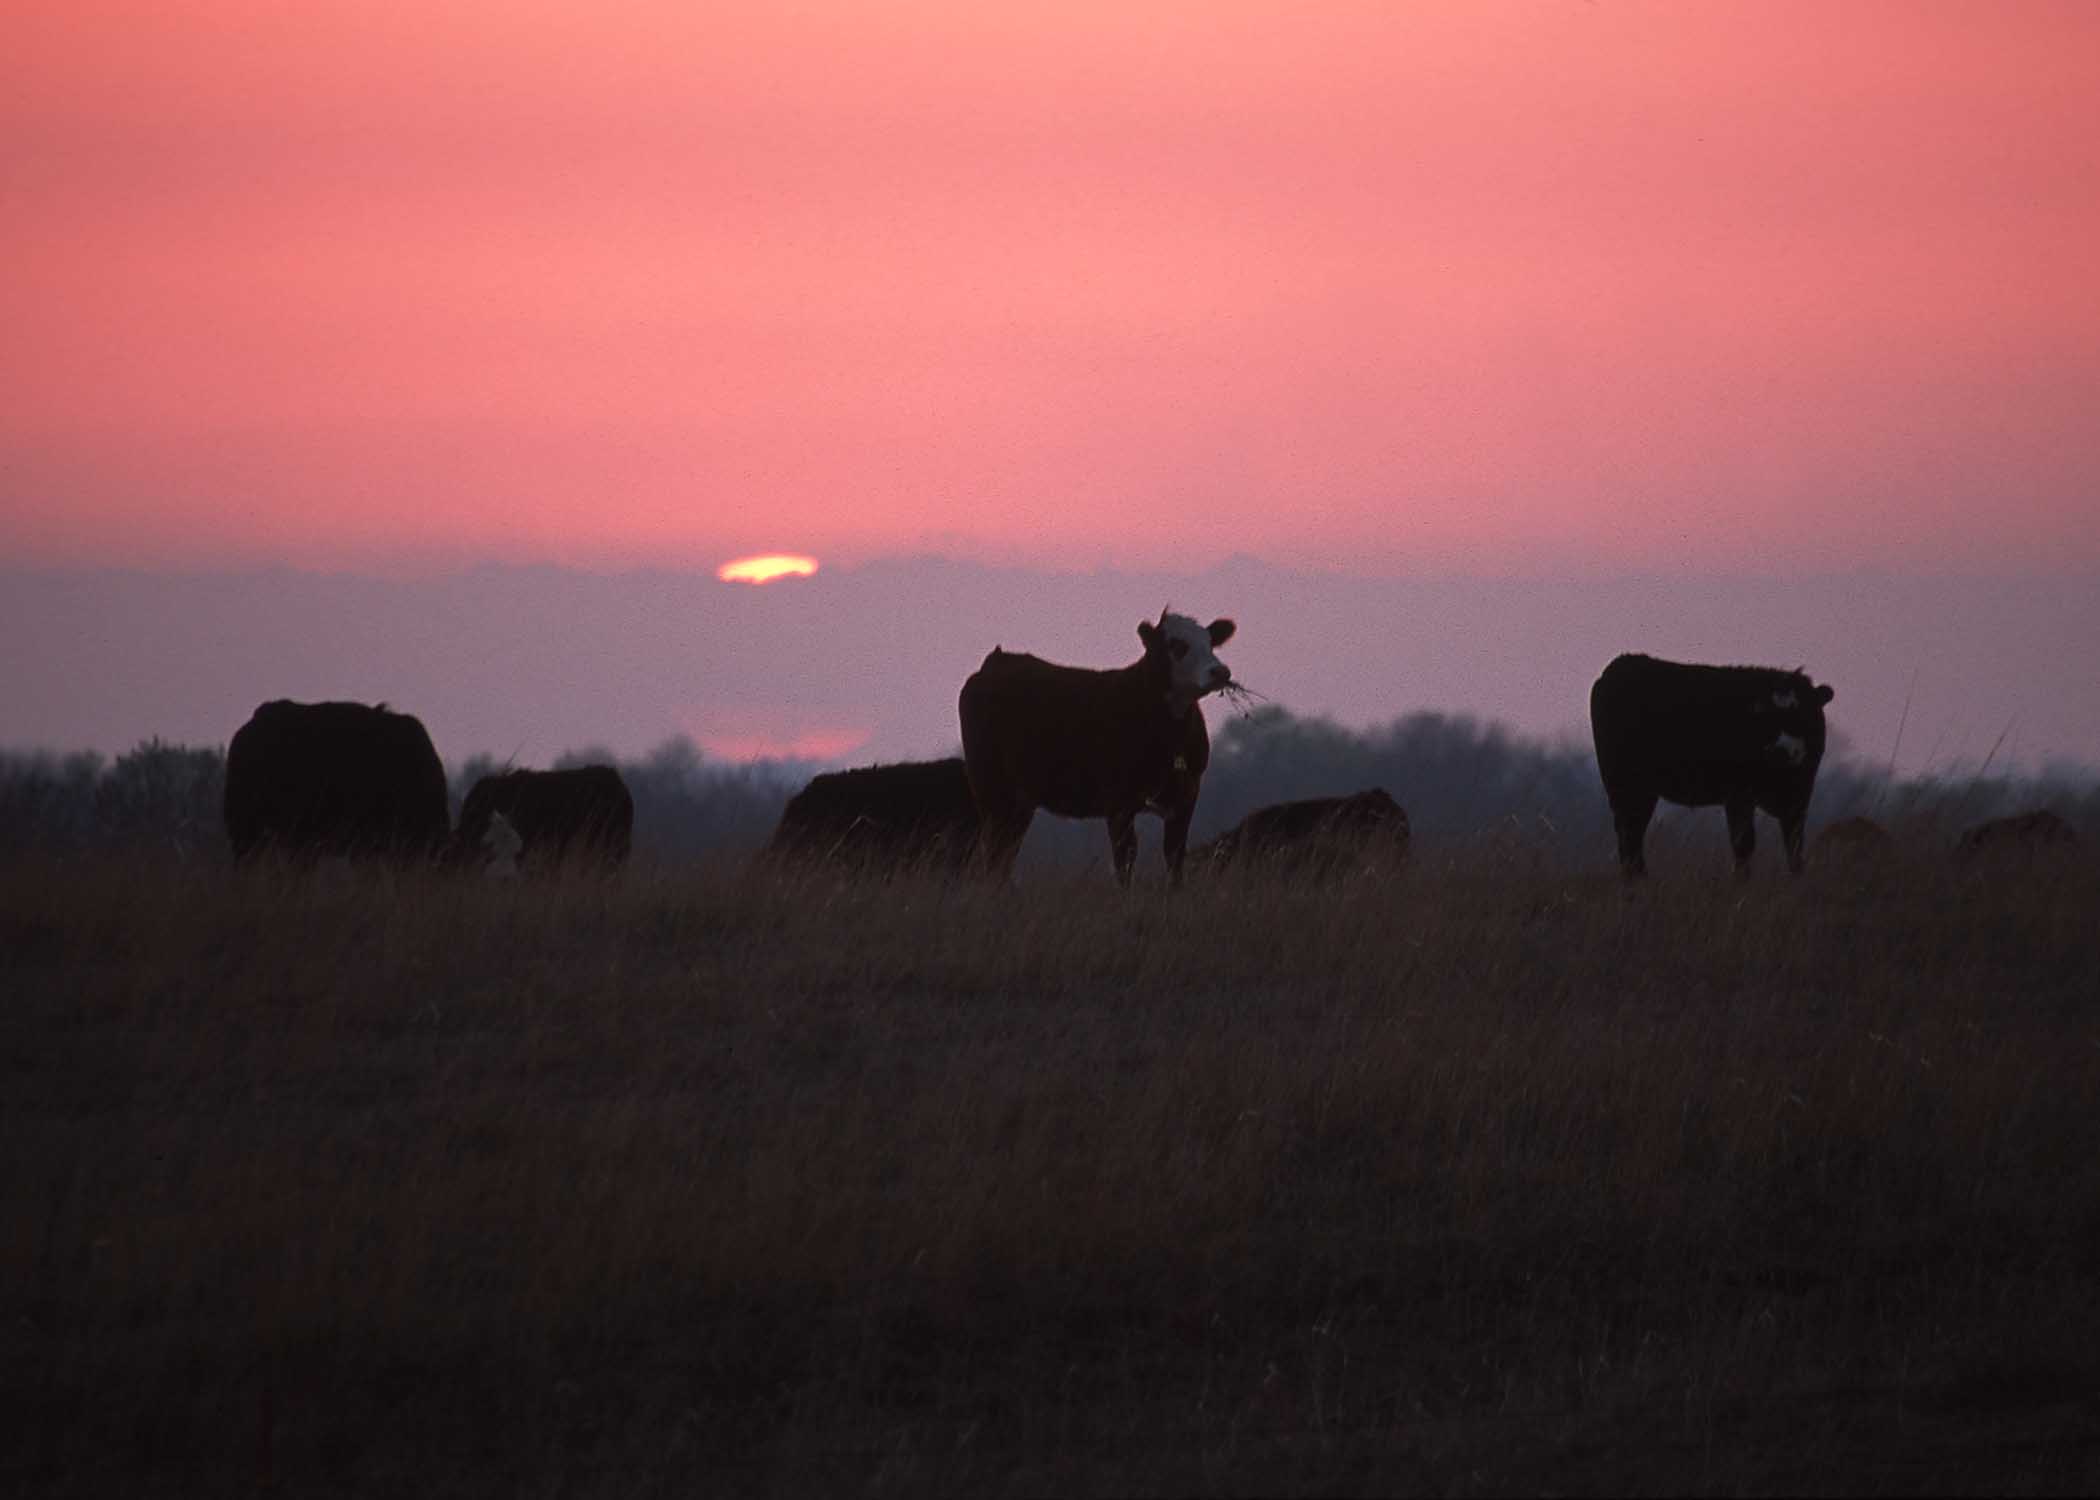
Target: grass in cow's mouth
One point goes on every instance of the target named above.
(1241, 696)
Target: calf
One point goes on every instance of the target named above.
(912, 813)
(1093, 744)
(2027, 833)
(1320, 836)
(585, 814)
(1742, 737)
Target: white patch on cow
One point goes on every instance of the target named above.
(1792, 748)
(1785, 699)
(501, 843)
(1195, 666)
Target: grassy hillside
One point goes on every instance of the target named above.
(1488, 1179)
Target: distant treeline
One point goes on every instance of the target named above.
(168, 798)
(1461, 781)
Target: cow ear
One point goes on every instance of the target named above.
(1221, 632)
(1825, 693)
(1148, 633)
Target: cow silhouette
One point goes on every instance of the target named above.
(911, 813)
(583, 815)
(1088, 743)
(1318, 836)
(314, 779)
(1745, 738)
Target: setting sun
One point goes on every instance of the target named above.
(765, 569)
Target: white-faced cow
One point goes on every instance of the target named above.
(314, 779)
(2040, 832)
(1316, 836)
(584, 814)
(1744, 738)
(1094, 744)
(913, 813)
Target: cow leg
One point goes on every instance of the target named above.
(999, 839)
(1122, 844)
(1175, 841)
(1630, 819)
(1742, 834)
(1792, 825)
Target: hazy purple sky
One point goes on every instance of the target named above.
(864, 664)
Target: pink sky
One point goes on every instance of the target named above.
(1509, 286)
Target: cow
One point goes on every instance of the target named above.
(1856, 839)
(912, 813)
(584, 814)
(1087, 743)
(314, 779)
(1320, 836)
(1743, 737)
(2030, 833)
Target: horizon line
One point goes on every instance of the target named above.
(378, 571)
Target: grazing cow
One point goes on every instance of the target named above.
(1855, 838)
(583, 814)
(1321, 836)
(1743, 737)
(1094, 744)
(314, 779)
(2029, 833)
(916, 812)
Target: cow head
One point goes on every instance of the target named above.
(501, 847)
(1184, 654)
(1790, 716)
(486, 800)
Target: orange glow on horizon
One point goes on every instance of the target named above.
(816, 745)
(767, 568)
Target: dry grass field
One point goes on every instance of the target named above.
(1483, 1180)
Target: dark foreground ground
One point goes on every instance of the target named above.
(1482, 1180)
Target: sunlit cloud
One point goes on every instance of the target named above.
(767, 568)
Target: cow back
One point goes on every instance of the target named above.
(1322, 835)
(580, 812)
(1854, 837)
(334, 778)
(1699, 735)
(1080, 742)
(909, 813)
(2028, 834)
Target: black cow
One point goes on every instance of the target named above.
(2038, 832)
(1319, 836)
(313, 779)
(1742, 737)
(584, 814)
(912, 813)
(1854, 838)
(1093, 744)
